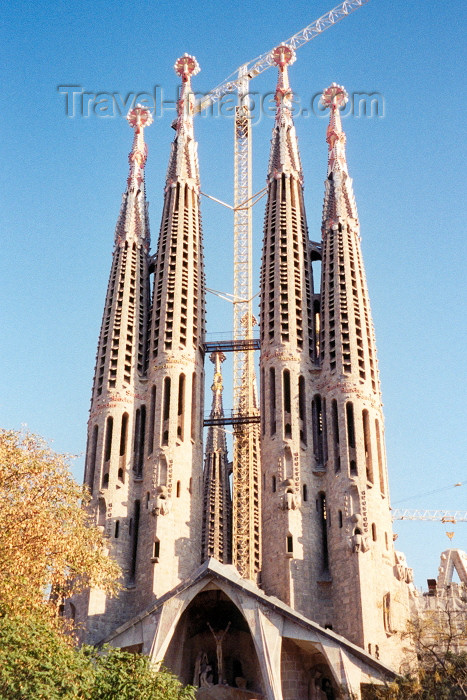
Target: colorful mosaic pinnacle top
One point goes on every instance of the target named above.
(334, 96)
(283, 55)
(139, 117)
(186, 66)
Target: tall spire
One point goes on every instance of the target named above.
(174, 468)
(114, 460)
(284, 156)
(287, 354)
(217, 512)
(183, 162)
(132, 225)
(339, 199)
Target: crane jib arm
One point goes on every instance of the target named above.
(261, 63)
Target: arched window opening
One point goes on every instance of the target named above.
(318, 423)
(379, 448)
(323, 518)
(139, 440)
(367, 446)
(91, 470)
(335, 435)
(286, 389)
(121, 474)
(350, 424)
(117, 529)
(105, 480)
(302, 408)
(108, 438)
(193, 407)
(272, 399)
(181, 407)
(316, 331)
(166, 412)
(123, 434)
(134, 543)
(152, 417)
(136, 437)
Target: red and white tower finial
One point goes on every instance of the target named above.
(283, 56)
(335, 97)
(138, 118)
(185, 67)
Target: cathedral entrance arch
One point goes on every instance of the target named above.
(212, 648)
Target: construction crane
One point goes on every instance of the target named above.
(442, 516)
(246, 544)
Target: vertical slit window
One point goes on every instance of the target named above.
(290, 545)
(92, 458)
(272, 398)
(350, 424)
(323, 517)
(193, 407)
(367, 445)
(181, 407)
(286, 403)
(166, 412)
(108, 438)
(286, 391)
(349, 415)
(302, 408)
(134, 543)
(379, 448)
(317, 416)
(123, 434)
(335, 436)
(152, 416)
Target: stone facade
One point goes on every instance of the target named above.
(333, 592)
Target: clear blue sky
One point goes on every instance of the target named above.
(62, 180)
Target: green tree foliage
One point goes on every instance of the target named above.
(120, 674)
(47, 540)
(49, 543)
(38, 660)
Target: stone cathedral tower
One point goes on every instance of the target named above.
(167, 511)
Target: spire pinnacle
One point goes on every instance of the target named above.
(284, 157)
(216, 434)
(183, 164)
(185, 67)
(339, 200)
(217, 358)
(335, 97)
(283, 56)
(138, 118)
